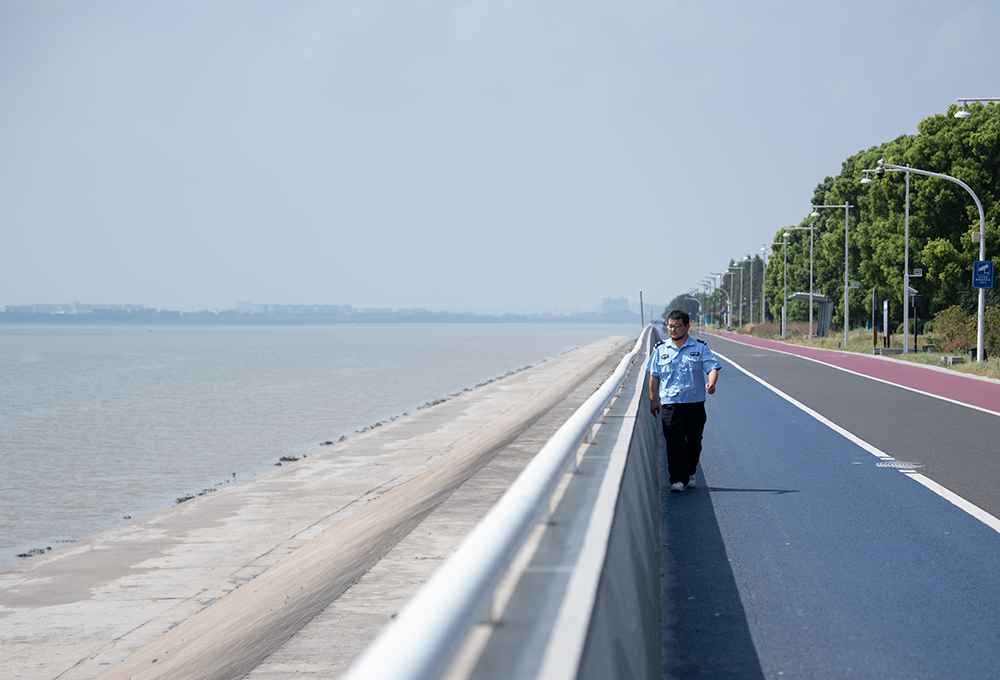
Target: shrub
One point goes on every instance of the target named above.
(957, 333)
(953, 329)
(991, 331)
(764, 330)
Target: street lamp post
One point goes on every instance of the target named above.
(729, 303)
(718, 288)
(732, 282)
(964, 113)
(847, 300)
(784, 303)
(708, 298)
(889, 167)
(716, 303)
(708, 302)
(742, 268)
(750, 259)
(763, 274)
(729, 299)
(811, 230)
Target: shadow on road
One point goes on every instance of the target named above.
(776, 492)
(703, 627)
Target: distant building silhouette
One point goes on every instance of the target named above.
(614, 305)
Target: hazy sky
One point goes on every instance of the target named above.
(478, 156)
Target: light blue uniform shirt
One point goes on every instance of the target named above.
(682, 370)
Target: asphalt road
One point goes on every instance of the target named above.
(957, 446)
(804, 554)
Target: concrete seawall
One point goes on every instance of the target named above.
(213, 587)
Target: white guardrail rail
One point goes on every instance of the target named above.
(424, 638)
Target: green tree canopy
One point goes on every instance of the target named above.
(943, 218)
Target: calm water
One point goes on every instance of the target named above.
(102, 422)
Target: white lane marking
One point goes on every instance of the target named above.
(950, 496)
(870, 377)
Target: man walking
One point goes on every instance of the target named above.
(677, 387)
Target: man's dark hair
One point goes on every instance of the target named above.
(678, 315)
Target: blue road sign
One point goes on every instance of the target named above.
(982, 274)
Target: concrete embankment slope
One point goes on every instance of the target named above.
(211, 587)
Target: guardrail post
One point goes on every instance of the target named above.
(572, 464)
(545, 516)
(486, 616)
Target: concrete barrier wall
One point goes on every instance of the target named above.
(586, 605)
(623, 640)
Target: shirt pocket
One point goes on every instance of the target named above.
(692, 364)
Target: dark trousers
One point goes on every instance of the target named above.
(683, 425)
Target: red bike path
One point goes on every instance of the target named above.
(971, 390)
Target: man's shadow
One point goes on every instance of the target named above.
(703, 627)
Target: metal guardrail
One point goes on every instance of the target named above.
(422, 641)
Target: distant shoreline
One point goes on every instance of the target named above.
(163, 317)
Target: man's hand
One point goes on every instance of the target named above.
(713, 377)
(654, 407)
